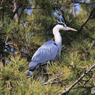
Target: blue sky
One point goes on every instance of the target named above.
(29, 11)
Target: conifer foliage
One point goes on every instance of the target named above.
(25, 25)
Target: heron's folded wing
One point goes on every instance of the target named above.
(48, 51)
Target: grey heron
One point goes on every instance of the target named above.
(50, 50)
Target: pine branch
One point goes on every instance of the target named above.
(79, 79)
(62, 12)
(87, 19)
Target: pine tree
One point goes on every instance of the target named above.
(18, 42)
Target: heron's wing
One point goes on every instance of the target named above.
(48, 51)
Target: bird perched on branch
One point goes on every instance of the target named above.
(50, 50)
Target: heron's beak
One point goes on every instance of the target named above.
(71, 29)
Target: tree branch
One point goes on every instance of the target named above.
(79, 79)
(21, 11)
(83, 87)
(62, 12)
(6, 40)
(92, 70)
(15, 11)
(86, 20)
(49, 81)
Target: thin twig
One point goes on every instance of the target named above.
(72, 20)
(83, 87)
(49, 81)
(92, 70)
(6, 40)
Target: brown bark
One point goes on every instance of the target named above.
(15, 11)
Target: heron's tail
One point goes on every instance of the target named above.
(32, 66)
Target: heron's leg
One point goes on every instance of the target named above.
(42, 73)
(47, 65)
(47, 68)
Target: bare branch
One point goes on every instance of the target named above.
(83, 87)
(86, 20)
(15, 11)
(6, 40)
(79, 79)
(92, 70)
(9, 43)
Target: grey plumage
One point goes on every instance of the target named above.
(50, 50)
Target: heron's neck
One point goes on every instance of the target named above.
(58, 39)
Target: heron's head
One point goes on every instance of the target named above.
(62, 26)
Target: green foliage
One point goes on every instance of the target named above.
(14, 81)
(78, 50)
(12, 73)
